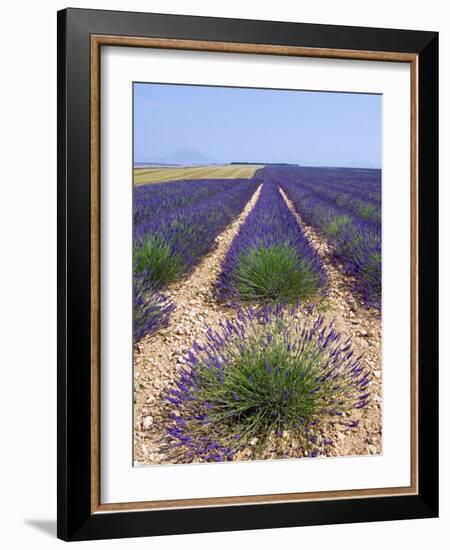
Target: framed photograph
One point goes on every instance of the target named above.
(247, 274)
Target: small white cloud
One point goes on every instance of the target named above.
(153, 104)
(188, 116)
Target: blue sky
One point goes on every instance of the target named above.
(257, 125)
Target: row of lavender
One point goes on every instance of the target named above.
(347, 214)
(270, 260)
(157, 199)
(175, 225)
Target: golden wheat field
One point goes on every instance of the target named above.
(159, 174)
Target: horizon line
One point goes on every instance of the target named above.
(243, 163)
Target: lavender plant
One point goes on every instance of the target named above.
(170, 242)
(151, 309)
(155, 255)
(348, 215)
(175, 226)
(270, 259)
(358, 246)
(156, 200)
(269, 374)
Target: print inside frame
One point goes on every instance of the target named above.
(225, 237)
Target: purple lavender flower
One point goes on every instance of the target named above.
(344, 205)
(270, 260)
(151, 309)
(295, 395)
(181, 220)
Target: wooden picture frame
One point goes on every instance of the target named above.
(81, 35)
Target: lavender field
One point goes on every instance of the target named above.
(257, 315)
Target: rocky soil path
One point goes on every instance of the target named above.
(156, 360)
(364, 327)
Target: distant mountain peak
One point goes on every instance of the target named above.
(186, 155)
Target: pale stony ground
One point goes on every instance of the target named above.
(157, 360)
